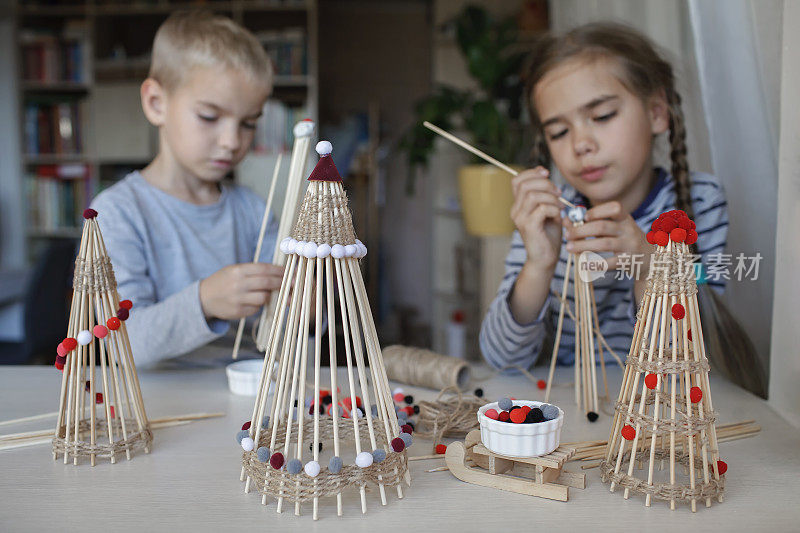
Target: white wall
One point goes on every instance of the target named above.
(784, 391)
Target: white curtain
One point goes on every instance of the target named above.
(726, 55)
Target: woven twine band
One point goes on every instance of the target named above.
(668, 366)
(451, 417)
(302, 488)
(95, 275)
(664, 491)
(672, 274)
(324, 216)
(685, 425)
(136, 440)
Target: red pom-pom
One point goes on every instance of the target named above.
(651, 380)
(655, 226)
(691, 237)
(685, 224)
(651, 237)
(517, 416)
(677, 235)
(542, 384)
(503, 416)
(405, 428)
(61, 359)
(246, 425)
(661, 238)
(276, 461)
(126, 304)
(113, 323)
(347, 402)
(70, 343)
(441, 449)
(89, 213)
(358, 401)
(689, 335)
(100, 331)
(678, 311)
(399, 397)
(668, 224)
(722, 467)
(122, 314)
(59, 366)
(409, 410)
(695, 394)
(111, 409)
(98, 397)
(61, 350)
(398, 445)
(628, 433)
(491, 413)
(526, 409)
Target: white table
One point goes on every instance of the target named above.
(190, 481)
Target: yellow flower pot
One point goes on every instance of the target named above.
(486, 199)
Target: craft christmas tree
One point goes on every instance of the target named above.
(105, 417)
(663, 439)
(587, 327)
(352, 424)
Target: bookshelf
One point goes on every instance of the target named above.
(80, 64)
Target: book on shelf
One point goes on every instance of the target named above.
(53, 127)
(287, 49)
(54, 57)
(57, 195)
(274, 127)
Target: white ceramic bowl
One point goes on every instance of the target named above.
(520, 440)
(243, 377)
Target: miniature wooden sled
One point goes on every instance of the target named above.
(535, 476)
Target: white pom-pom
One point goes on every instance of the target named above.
(304, 128)
(398, 390)
(337, 251)
(324, 148)
(364, 459)
(323, 250)
(298, 247)
(248, 444)
(577, 214)
(285, 245)
(84, 337)
(350, 250)
(362, 250)
(312, 469)
(310, 250)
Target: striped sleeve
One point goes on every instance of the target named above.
(711, 219)
(503, 341)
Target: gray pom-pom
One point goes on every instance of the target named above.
(374, 410)
(335, 464)
(294, 466)
(378, 455)
(263, 454)
(265, 423)
(505, 404)
(242, 434)
(550, 412)
(407, 439)
(402, 417)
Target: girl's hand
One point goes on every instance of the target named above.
(536, 212)
(614, 231)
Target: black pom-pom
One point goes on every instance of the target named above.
(416, 409)
(479, 393)
(534, 416)
(311, 446)
(327, 399)
(515, 407)
(295, 402)
(409, 423)
(320, 408)
(592, 416)
(408, 399)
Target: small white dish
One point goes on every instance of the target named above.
(244, 376)
(520, 440)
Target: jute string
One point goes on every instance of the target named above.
(424, 368)
(664, 491)
(302, 488)
(451, 414)
(672, 275)
(136, 439)
(324, 216)
(94, 275)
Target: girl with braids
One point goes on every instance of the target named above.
(598, 96)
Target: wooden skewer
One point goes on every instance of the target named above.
(261, 232)
(486, 157)
(557, 342)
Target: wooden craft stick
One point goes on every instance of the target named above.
(259, 243)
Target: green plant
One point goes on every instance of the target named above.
(490, 115)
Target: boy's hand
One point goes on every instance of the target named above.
(537, 214)
(237, 291)
(614, 231)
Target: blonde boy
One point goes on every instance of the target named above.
(180, 240)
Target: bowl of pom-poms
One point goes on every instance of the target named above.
(244, 376)
(520, 428)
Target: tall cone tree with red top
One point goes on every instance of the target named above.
(663, 439)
